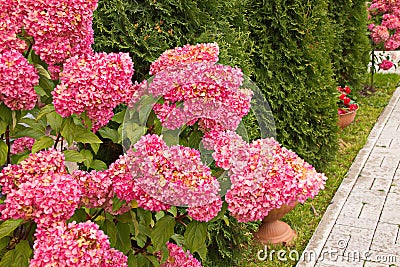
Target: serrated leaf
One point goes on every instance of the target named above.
(110, 229)
(3, 152)
(84, 135)
(7, 227)
(153, 260)
(68, 130)
(30, 132)
(73, 156)
(125, 218)
(123, 243)
(162, 232)
(109, 133)
(80, 215)
(42, 143)
(195, 235)
(132, 260)
(202, 252)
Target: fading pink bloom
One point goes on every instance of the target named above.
(22, 144)
(379, 34)
(178, 257)
(203, 91)
(94, 84)
(265, 176)
(206, 212)
(11, 24)
(207, 52)
(126, 187)
(18, 81)
(75, 244)
(173, 175)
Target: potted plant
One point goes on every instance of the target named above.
(347, 107)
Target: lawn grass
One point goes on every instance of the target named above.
(305, 218)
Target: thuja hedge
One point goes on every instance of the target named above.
(351, 48)
(293, 41)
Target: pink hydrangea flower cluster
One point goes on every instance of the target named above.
(10, 25)
(388, 32)
(18, 81)
(94, 84)
(203, 91)
(126, 188)
(75, 244)
(206, 212)
(174, 175)
(207, 52)
(22, 144)
(264, 176)
(61, 29)
(178, 257)
(39, 189)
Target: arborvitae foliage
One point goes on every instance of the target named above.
(147, 28)
(293, 42)
(350, 55)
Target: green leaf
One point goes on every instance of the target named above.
(98, 165)
(133, 132)
(202, 252)
(153, 260)
(117, 203)
(162, 232)
(195, 235)
(8, 259)
(179, 239)
(4, 242)
(68, 130)
(54, 120)
(22, 254)
(30, 132)
(123, 238)
(42, 143)
(7, 227)
(45, 110)
(126, 217)
(42, 71)
(40, 91)
(132, 260)
(119, 117)
(84, 135)
(80, 215)
(88, 157)
(5, 113)
(3, 152)
(95, 147)
(109, 133)
(110, 229)
(73, 156)
(3, 126)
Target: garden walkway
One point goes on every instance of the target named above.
(361, 227)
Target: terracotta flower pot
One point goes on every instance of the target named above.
(347, 118)
(274, 231)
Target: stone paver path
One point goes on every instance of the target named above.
(362, 225)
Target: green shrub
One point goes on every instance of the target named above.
(292, 66)
(350, 55)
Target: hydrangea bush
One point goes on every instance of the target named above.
(184, 164)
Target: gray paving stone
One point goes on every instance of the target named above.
(385, 238)
(390, 212)
(366, 223)
(380, 258)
